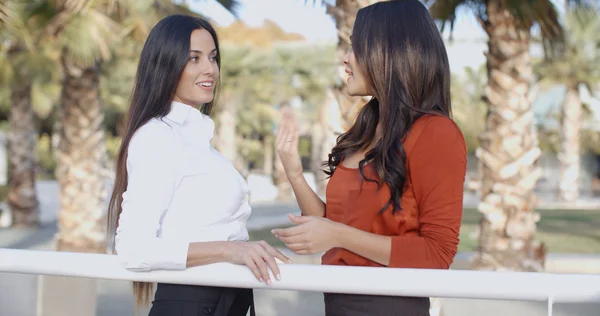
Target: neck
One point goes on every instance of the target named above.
(195, 106)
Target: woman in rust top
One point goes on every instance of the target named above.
(395, 195)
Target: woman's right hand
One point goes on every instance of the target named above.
(286, 143)
(256, 255)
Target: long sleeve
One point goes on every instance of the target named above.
(437, 167)
(151, 184)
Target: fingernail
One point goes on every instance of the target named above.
(290, 261)
(278, 277)
(269, 282)
(260, 279)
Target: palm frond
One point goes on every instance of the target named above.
(3, 13)
(14, 18)
(88, 36)
(6, 69)
(578, 59)
(231, 6)
(446, 11)
(542, 12)
(44, 96)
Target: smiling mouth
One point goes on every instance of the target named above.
(206, 84)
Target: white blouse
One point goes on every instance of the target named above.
(180, 190)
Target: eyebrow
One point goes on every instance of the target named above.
(200, 52)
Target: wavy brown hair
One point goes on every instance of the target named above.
(164, 56)
(398, 47)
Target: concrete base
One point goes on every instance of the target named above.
(33, 295)
(18, 294)
(555, 263)
(61, 296)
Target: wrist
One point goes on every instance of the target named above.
(295, 177)
(224, 251)
(339, 232)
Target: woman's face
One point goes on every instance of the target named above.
(199, 78)
(356, 82)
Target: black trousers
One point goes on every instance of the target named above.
(188, 300)
(374, 305)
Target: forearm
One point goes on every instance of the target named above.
(371, 246)
(309, 202)
(398, 251)
(201, 253)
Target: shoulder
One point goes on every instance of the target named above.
(435, 131)
(154, 135)
(437, 124)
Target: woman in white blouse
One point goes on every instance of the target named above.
(177, 202)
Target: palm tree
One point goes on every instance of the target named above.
(468, 106)
(508, 149)
(84, 32)
(576, 66)
(26, 63)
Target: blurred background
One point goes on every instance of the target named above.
(525, 93)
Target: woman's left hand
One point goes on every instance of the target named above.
(311, 235)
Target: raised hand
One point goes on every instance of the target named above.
(286, 143)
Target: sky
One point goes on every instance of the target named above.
(309, 20)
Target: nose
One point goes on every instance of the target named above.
(346, 57)
(207, 67)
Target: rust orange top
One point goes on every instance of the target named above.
(425, 233)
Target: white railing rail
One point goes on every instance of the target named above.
(550, 287)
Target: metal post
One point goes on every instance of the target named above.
(550, 304)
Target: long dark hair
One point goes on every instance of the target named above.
(401, 52)
(164, 56)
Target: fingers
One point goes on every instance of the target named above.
(287, 130)
(292, 239)
(275, 253)
(262, 258)
(268, 258)
(298, 248)
(258, 259)
(283, 135)
(254, 268)
(299, 219)
(288, 232)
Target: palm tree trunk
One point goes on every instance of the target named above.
(22, 197)
(316, 159)
(508, 151)
(570, 150)
(268, 155)
(226, 135)
(328, 127)
(81, 159)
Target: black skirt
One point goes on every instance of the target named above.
(374, 305)
(188, 300)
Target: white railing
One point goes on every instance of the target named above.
(572, 288)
